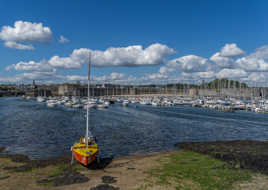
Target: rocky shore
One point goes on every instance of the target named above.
(251, 155)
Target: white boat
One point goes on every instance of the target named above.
(77, 105)
(155, 104)
(125, 103)
(40, 99)
(101, 106)
(143, 102)
(51, 104)
(69, 104)
(89, 106)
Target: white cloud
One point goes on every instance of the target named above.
(65, 62)
(189, 63)
(157, 76)
(260, 53)
(224, 62)
(63, 39)
(26, 32)
(76, 78)
(232, 73)
(252, 64)
(231, 50)
(256, 77)
(39, 75)
(166, 70)
(31, 66)
(122, 56)
(9, 79)
(114, 76)
(29, 76)
(205, 75)
(19, 46)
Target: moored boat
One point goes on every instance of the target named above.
(86, 150)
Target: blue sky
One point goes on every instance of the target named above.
(197, 29)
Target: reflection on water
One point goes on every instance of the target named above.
(29, 127)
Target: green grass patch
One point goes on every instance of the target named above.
(185, 170)
(47, 184)
(58, 170)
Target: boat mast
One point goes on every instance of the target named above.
(88, 81)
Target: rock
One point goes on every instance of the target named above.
(108, 179)
(2, 149)
(5, 177)
(104, 187)
(67, 177)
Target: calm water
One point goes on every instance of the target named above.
(29, 127)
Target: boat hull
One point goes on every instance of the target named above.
(85, 160)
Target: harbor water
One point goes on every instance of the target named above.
(31, 128)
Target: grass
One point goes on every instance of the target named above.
(186, 170)
(55, 171)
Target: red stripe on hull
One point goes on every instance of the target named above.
(85, 160)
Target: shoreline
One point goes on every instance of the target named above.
(248, 154)
(245, 161)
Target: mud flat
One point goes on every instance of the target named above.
(186, 168)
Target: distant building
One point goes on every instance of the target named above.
(193, 92)
(71, 90)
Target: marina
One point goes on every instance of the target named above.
(40, 131)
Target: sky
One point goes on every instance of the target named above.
(133, 42)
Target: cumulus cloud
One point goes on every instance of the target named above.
(166, 70)
(76, 78)
(227, 63)
(19, 46)
(189, 63)
(39, 75)
(26, 32)
(9, 79)
(115, 76)
(157, 76)
(105, 78)
(221, 61)
(122, 56)
(232, 73)
(256, 77)
(31, 66)
(205, 75)
(260, 53)
(252, 64)
(35, 75)
(63, 39)
(231, 50)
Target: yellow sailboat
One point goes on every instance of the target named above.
(86, 150)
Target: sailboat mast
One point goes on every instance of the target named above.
(88, 81)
